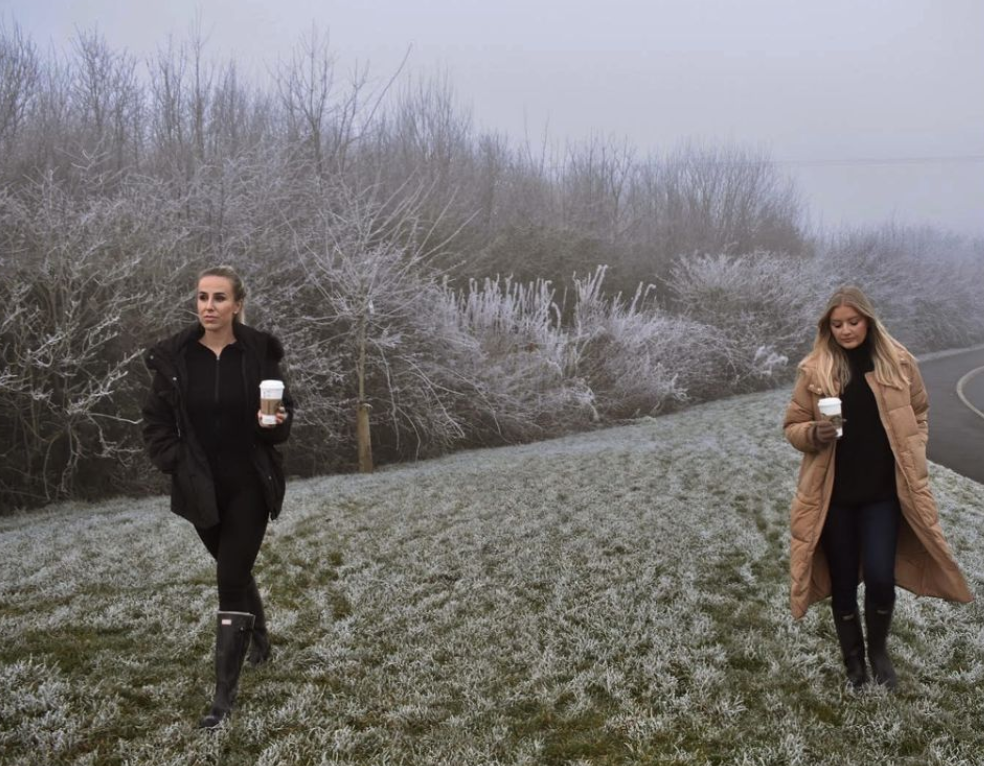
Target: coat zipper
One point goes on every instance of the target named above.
(215, 394)
(177, 413)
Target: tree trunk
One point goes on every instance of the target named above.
(362, 436)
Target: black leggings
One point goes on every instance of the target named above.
(235, 541)
(862, 536)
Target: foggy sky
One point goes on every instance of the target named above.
(893, 83)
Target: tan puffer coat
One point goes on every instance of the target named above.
(923, 561)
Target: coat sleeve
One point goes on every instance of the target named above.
(799, 423)
(161, 435)
(919, 398)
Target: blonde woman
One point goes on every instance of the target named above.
(203, 426)
(863, 506)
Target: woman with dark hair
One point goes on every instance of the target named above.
(202, 425)
(863, 502)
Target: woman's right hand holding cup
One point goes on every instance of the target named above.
(824, 432)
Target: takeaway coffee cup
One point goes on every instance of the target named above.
(830, 409)
(271, 392)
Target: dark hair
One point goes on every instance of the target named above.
(238, 286)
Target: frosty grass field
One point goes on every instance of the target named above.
(607, 598)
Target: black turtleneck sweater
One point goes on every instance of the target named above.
(864, 466)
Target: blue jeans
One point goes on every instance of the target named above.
(862, 537)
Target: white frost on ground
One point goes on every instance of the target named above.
(611, 597)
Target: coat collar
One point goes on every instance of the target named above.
(165, 355)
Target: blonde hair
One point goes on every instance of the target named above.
(833, 370)
(238, 287)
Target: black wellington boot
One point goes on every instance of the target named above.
(259, 647)
(851, 640)
(878, 621)
(232, 635)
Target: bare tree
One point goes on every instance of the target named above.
(596, 178)
(19, 79)
(321, 115)
(70, 333)
(945, 310)
(107, 102)
(366, 260)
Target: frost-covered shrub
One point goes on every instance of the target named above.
(636, 359)
(522, 361)
(78, 293)
(764, 304)
(615, 359)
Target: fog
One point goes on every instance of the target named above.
(874, 108)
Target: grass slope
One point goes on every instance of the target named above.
(609, 598)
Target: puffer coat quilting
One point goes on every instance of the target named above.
(924, 563)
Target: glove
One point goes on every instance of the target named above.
(824, 432)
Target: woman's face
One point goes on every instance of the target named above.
(216, 303)
(848, 327)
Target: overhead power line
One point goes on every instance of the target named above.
(956, 159)
(951, 160)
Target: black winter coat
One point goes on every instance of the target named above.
(170, 438)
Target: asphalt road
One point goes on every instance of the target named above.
(956, 433)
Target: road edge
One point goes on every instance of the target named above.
(963, 397)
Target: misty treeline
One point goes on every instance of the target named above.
(471, 290)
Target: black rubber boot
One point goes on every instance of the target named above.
(232, 635)
(878, 621)
(851, 640)
(259, 646)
